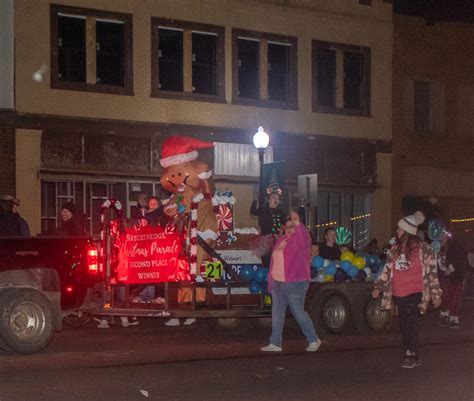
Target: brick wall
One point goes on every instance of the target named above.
(7, 161)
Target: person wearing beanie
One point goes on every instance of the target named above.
(409, 278)
(71, 224)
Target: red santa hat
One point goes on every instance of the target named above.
(181, 149)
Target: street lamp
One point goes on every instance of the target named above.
(261, 141)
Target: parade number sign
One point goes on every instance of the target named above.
(149, 255)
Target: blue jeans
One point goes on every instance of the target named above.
(292, 295)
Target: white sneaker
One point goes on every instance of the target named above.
(189, 321)
(127, 323)
(271, 348)
(314, 346)
(172, 322)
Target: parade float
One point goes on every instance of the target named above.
(203, 265)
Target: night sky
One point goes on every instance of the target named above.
(437, 10)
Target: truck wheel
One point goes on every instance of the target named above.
(26, 320)
(77, 319)
(377, 319)
(336, 313)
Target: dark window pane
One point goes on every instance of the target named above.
(248, 52)
(353, 64)
(72, 49)
(326, 60)
(171, 60)
(278, 72)
(205, 63)
(110, 45)
(422, 106)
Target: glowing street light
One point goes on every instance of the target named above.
(261, 141)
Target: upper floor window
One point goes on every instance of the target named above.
(341, 79)
(423, 109)
(91, 50)
(187, 60)
(264, 69)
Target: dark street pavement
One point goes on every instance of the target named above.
(201, 362)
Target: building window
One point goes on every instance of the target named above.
(187, 60)
(88, 197)
(351, 210)
(423, 108)
(264, 70)
(91, 50)
(341, 79)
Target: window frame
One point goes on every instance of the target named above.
(219, 31)
(127, 19)
(292, 103)
(365, 110)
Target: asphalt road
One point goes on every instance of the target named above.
(154, 362)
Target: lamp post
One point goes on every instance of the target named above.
(261, 141)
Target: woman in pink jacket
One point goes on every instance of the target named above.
(288, 280)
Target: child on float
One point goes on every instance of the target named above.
(270, 221)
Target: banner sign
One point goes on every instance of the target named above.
(149, 255)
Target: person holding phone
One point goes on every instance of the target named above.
(288, 281)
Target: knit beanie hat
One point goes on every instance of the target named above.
(69, 206)
(410, 223)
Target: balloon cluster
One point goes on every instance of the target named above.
(257, 279)
(436, 231)
(360, 267)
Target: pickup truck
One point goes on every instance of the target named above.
(42, 280)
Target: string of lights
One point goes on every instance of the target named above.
(462, 220)
(362, 216)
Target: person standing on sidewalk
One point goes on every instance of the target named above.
(410, 277)
(289, 278)
(452, 264)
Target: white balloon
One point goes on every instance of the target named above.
(326, 262)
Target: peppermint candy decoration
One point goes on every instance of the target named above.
(224, 217)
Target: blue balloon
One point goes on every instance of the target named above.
(353, 271)
(317, 262)
(375, 268)
(435, 229)
(375, 260)
(331, 269)
(340, 276)
(247, 273)
(346, 265)
(261, 274)
(436, 246)
(255, 287)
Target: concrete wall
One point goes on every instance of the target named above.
(28, 186)
(7, 51)
(369, 26)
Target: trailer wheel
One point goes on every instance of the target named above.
(336, 313)
(77, 319)
(377, 319)
(26, 320)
